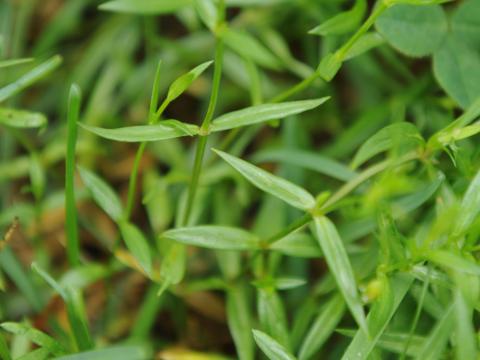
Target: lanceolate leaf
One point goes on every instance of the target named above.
(396, 135)
(166, 129)
(270, 347)
(262, 113)
(173, 265)
(379, 317)
(414, 30)
(240, 322)
(323, 326)
(297, 244)
(343, 22)
(453, 261)
(272, 316)
(102, 193)
(21, 119)
(283, 189)
(183, 82)
(249, 47)
(214, 237)
(339, 264)
(137, 244)
(145, 7)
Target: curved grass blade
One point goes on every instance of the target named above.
(270, 347)
(14, 62)
(276, 186)
(22, 119)
(214, 237)
(262, 113)
(31, 77)
(166, 129)
(102, 193)
(339, 264)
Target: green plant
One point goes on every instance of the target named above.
(309, 214)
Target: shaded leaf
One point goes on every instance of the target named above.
(343, 22)
(137, 244)
(297, 244)
(119, 352)
(469, 208)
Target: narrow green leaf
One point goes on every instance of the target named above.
(402, 134)
(37, 354)
(453, 261)
(4, 351)
(145, 7)
(322, 328)
(273, 318)
(35, 336)
(339, 264)
(299, 245)
(343, 22)
(466, 337)
(137, 244)
(239, 322)
(379, 317)
(102, 193)
(14, 62)
(71, 226)
(31, 77)
(365, 43)
(470, 207)
(183, 82)
(307, 160)
(283, 189)
(437, 340)
(263, 113)
(22, 119)
(49, 280)
(270, 347)
(413, 30)
(166, 129)
(250, 48)
(85, 275)
(173, 266)
(208, 12)
(37, 176)
(329, 66)
(214, 237)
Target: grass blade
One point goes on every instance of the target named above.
(118, 352)
(71, 226)
(283, 189)
(144, 7)
(339, 264)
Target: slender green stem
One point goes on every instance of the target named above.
(297, 224)
(364, 176)
(296, 88)
(153, 117)
(73, 247)
(204, 129)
